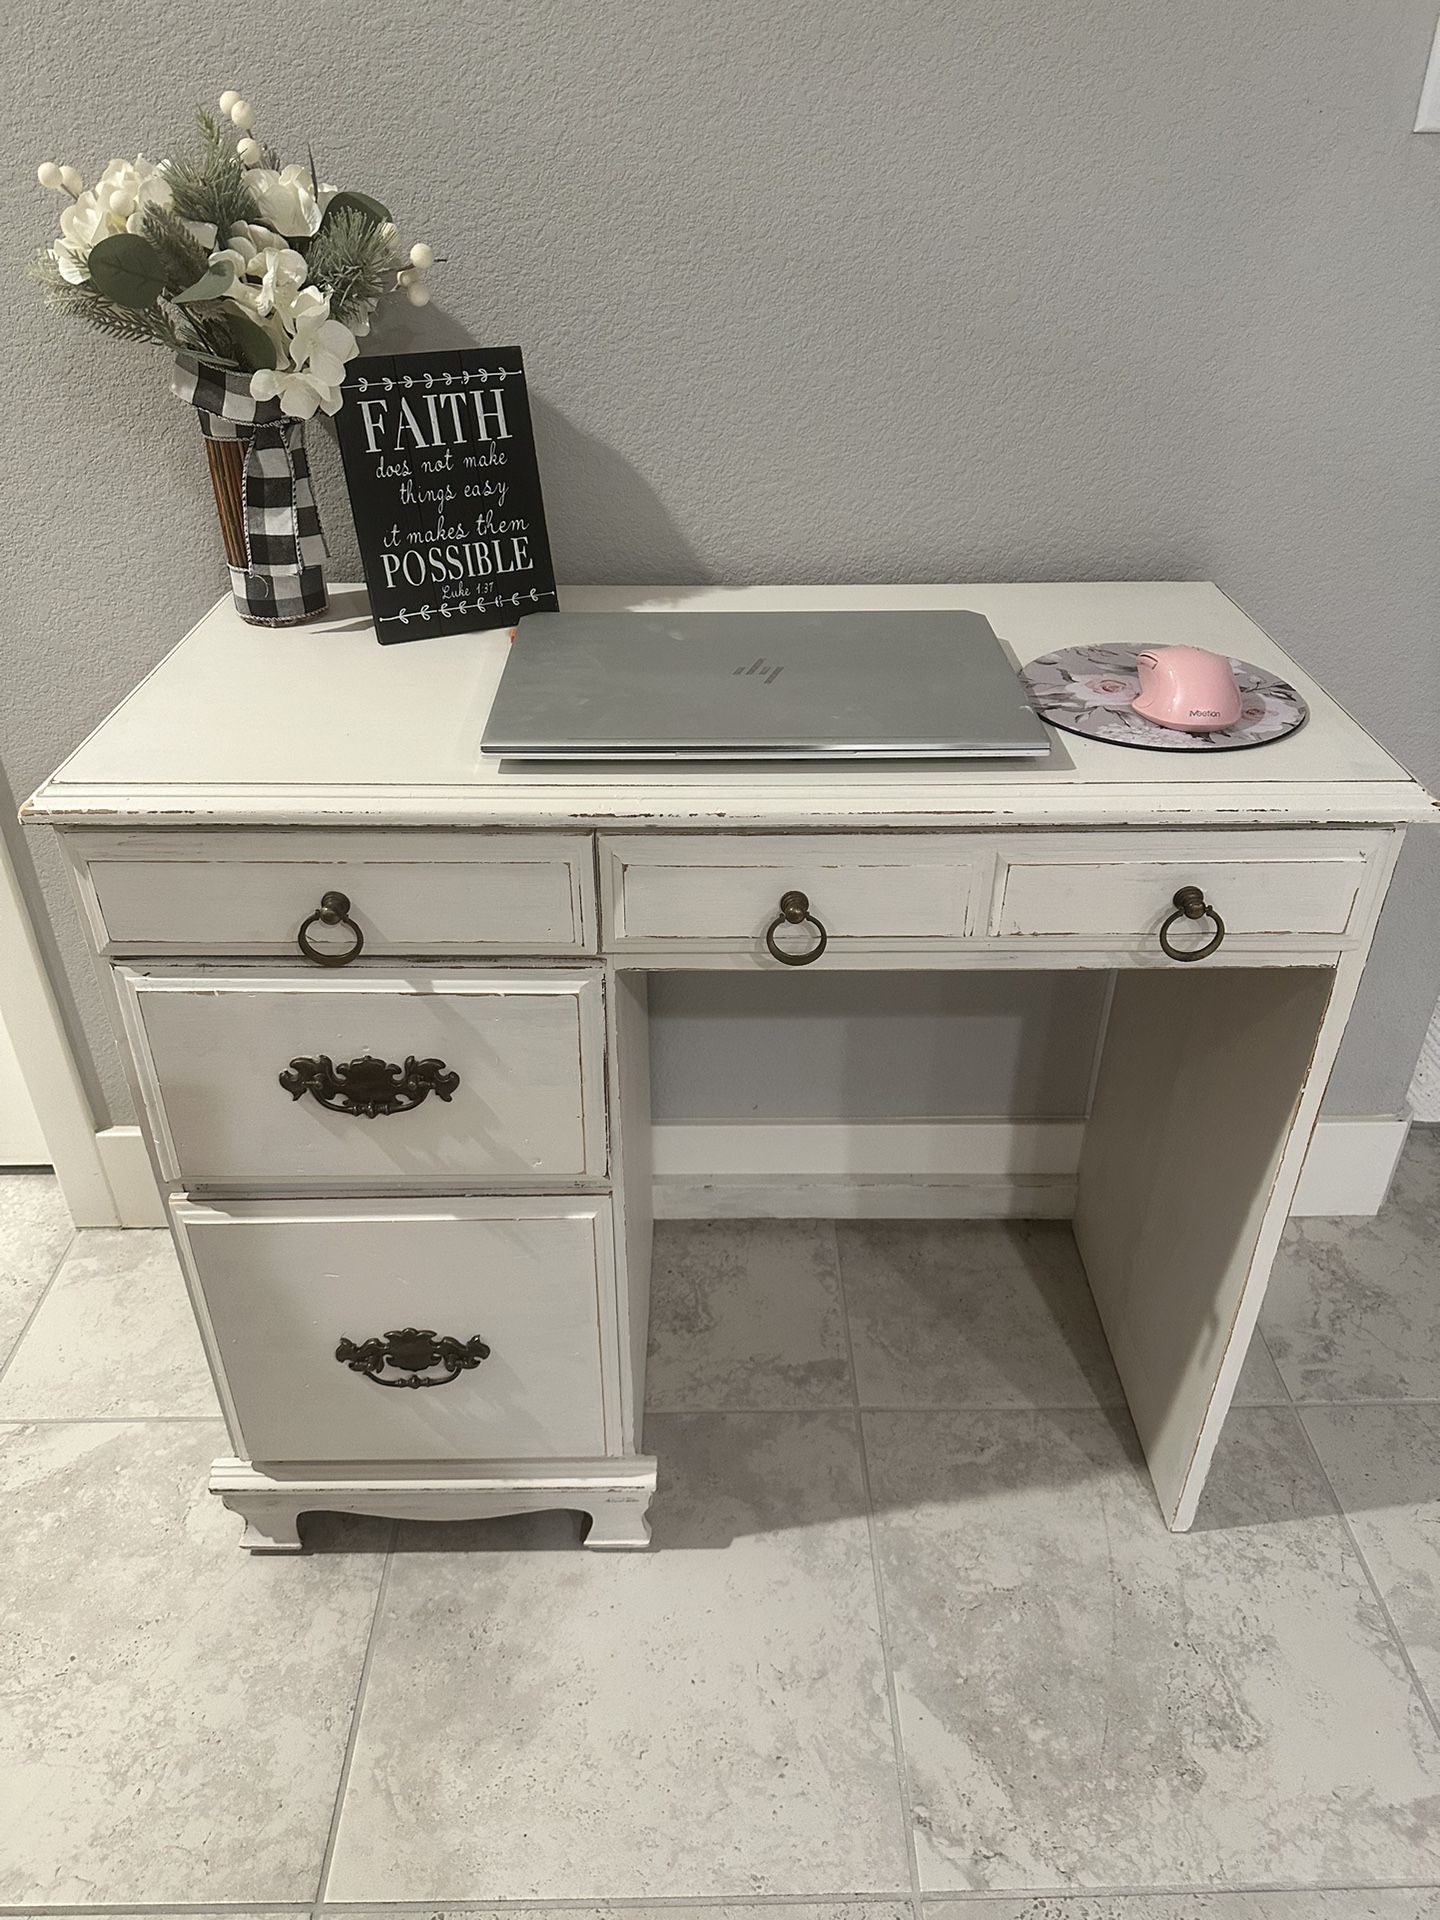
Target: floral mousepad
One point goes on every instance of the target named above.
(1089, 690)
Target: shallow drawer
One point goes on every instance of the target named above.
(263, 1078)
(238, 893)
(720, 893)
(284, 1287)
(1111, 889)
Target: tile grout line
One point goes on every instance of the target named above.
(111, 1420)
(651, 1903)
(1431, 1712)
(1259, 1334)
(1405, 1400)
(601, 1904)
(902, 1779)
(1299, 1401)
(30, 1317)
(342, 1785)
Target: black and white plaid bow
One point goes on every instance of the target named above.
(283, 579)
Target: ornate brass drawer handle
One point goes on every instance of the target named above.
(368, 1087)
(333, 911)
(1190, 904)
(410, 1350)
(794, 912)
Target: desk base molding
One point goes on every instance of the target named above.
(614, 1494)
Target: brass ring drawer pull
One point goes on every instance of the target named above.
(1190, 904)
(368, 1087)
(795, 912)
(410, 1350)
(333, 911)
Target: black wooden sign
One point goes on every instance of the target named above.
(440, 463)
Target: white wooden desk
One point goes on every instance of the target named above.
(499, 1219)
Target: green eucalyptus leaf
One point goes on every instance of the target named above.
(361, 203)
(127, 269)
(252, 343)
(213, 284)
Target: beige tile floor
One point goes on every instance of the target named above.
(913, 1645)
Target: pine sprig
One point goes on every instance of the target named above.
(356, 260)
(185, 259)
(143, 324)
(211, 188)
(46, 269)
(204, 330)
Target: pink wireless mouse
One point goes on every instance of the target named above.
(1188, 688)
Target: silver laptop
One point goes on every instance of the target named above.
(760, 686)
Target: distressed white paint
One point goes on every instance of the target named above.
(1209, 1080)
(251, 893)
(317, 725)
(210, 1048)
(283, 1284)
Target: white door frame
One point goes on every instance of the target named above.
(47, 1061)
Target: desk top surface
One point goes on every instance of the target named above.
(308, 725)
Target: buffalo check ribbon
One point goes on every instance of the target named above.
(283, 579)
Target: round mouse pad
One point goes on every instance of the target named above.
(1089, 690)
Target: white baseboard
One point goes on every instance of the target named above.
(127, 1169)
(924, 1169)
(950, 1169)
(893, 1169)
(1350, 1165)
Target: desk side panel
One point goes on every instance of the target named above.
(1199, 1089)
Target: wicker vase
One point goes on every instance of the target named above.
(260, 472)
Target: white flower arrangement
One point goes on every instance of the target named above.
(231, 258)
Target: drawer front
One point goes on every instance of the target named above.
(719, 893)
(282, 1288)
(507, 1080)
(409, 893)
(1106, 888)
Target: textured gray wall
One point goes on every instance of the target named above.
(817, 290)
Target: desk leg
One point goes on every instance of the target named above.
(1208, 1091)
(628, 1003)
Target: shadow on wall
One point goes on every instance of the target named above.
(608, 526)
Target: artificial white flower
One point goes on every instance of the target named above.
(319, 348)
(287, 200)
(130, 186)
(268, 281)
(81, 224)
(115, 204)
(268, 278)
(248, 238)
(281, 282)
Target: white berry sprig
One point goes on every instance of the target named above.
(60, 179)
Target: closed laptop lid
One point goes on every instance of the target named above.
(742, 686)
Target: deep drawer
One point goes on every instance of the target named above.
(431, 893)
(493, 1075)
(281, 1287)
(719, 893)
